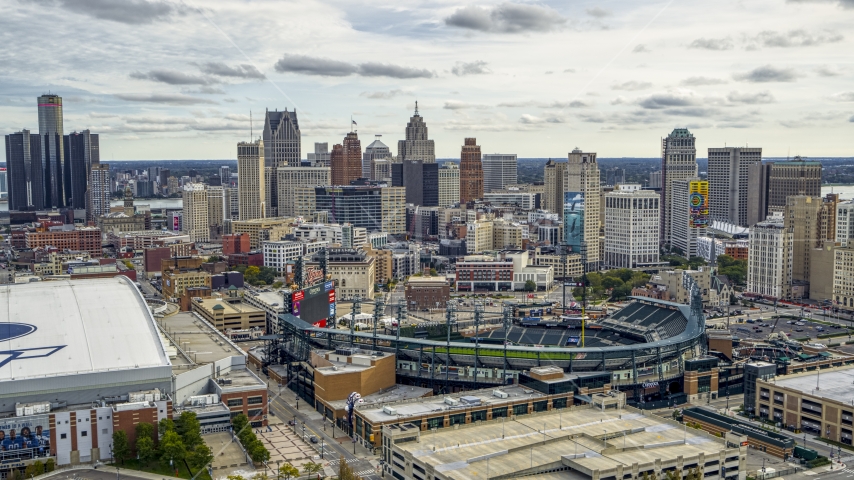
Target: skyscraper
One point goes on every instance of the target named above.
(346, 160)
(416, 146)
(582, 175)
(728, 183)
(769, 270)
(682, 235)
(794, 177)
(320, 157)
(377, 150)
(631, 227)
(98, 193)
(82, 150)
(449, 184)
(282, 148)
(678, 162)
(52, 150)
(225, 175)
(195, 213)
(553, 176)
(250, 179)
(420, 179)
(217, 209)
(499, 170)
(25, 175)
(471, 172)
(292, 178)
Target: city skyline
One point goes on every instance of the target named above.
(775, 75)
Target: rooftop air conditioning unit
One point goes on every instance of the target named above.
(389, 410)
(452, 401)
(500, 394)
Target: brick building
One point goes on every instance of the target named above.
(427, 292)
(66, 237)
(235, 243)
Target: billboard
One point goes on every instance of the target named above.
(573, 220)
(698, 201)
(314, 304)
(28, 436)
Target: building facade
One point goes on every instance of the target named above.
(683, 234)
(346, 160)
(290, 178)
(729, 185)
(26, 178)
(471, 172)
(678, 162)
(421, 181)
(377, 150)
(417, 145)
(251, 186)
(582, 176)
(195, 212)
(499, 171)
(282, 148)
(769, 259)
(82, 151)
(632, 220)
(795, 177)
(53, 151)
(554, 175)
(449, 184)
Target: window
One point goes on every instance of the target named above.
(62, 436)
(520, 409)
(103, 431)
(84, 433)
(457, 419)
(235, 402)
(437, 422)
(255, 412)
(255, 400)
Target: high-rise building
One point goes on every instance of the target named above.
(582, 176)
(631, 227)
(449, 184)
(217, 209)
(292, 178)
(164, 177)
(269, 184)
(417, 145)
(225, 175)
(795, 177)
(251, 185)
(195, 212)
(615, 176)
(52, 150)
(231, 203)
(845, 222)
(769, 260)
(728, 183)
(809, 220)
(393, 210)
(25, 175)
(382, 170)
(358, 205)
(683, 235)
(471, 172)
(420, 179)
(282, 148)
(81, 152)
(377, 150)
(98, 192)
(499, 171)
(678, 162)
(655, 179)
(346, 160)
(553, 176)
(320, 157)
(4, 186)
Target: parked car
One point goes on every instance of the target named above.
(313, 439)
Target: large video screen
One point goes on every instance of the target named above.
(573, 220)
(314, 304)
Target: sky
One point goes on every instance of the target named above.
(164, 79)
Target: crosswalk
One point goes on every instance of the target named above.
(366, 472)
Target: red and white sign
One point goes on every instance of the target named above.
(530, 295)
(298, 296)
(332, 296)
(320, 323)
(313, 275)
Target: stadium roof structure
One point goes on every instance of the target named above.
(72, 327)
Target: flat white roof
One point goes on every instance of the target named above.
(67, 327)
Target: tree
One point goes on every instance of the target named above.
(235, 477)
(165, 425)
(172, 448)
(190, 429)
(611, 282)
(277, 284)
(121, 446)
(251, 273)
(288, 471)
(674, 474)
(433, 272)
(38, 466)
(144, 429)
(310, 468)
(530, 286)
(258, 452)
(49, 465)
(146, 450)
(695, 262)
(200, 456)
(239, 422)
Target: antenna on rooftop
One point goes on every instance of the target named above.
(251, 133)
(416, 108)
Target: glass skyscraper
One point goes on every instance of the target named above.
(53, 151)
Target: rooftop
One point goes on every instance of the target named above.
(229, 307)
(197, 339)
(396, 393)
(69, 327)
(835, 384)
(582, 438)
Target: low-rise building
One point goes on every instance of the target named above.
(482, 272)
(67, 237)
(352, 269)
(273, 305)
(427, 292)
(262, 229)
(229, 313)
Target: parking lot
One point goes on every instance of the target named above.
(792, 328)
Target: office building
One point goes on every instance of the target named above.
(758, 177)
(523, 200)
(26, 180)
(262, 229)
(795, 177)
(421, 181)
(229, 314)
(582, 176)
(417, 145)
(195, 212)
(632, 219)
(845, 222)
(225, 176)
(615, 176)
(216, 207)
(449, 184)
(471, 172)
(769, 260)
(81, 152)
(678, 162)
(282, 148)
(4, 188)
(251, 184)
(346, 160)
(53, 151)
(353, 270)
(499, 171)
(393, 210)
(729, 183)
(98, 193)
(291, 178)
(320, 157)
(554, 174)
(807, 218)
(377, 150)
(654, 179)
(360, 206)
(66, 237)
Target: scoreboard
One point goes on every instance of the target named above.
(314, 304)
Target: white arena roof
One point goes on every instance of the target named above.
(73, 327)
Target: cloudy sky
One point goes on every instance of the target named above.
(163, 79)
